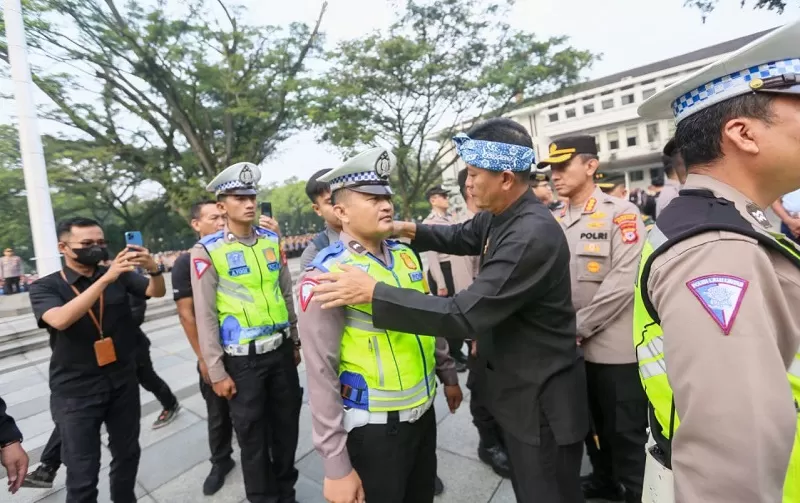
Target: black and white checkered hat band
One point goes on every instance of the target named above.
(355, 179)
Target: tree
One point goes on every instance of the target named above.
(177, 97)
(291, 207)
(707, 6)
(440, 64)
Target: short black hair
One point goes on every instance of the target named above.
(462, 183)
(699, 136)
(315, 188)
(503, 130)
(64, 227)
(198, 206)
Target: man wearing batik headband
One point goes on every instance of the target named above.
(519, 308)
(716, 324)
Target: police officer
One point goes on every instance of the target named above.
(716, 324)
(247, 331)
(519, 309)
(320, 195)
(605, 236)
(540, 185)
(613, 185)
(371, 391)
(674, 176)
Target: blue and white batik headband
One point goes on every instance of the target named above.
(493, 156)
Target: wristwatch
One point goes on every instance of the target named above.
(158, 272)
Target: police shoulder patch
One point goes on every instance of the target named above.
(721, 296)
(200, 266)
(306, 292)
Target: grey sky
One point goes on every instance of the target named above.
(628, 33)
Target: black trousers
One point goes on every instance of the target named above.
(447, 271)
(148, 379)
(396, 461)
(545, 473)
(618, 405)
(79, 420)
(220, 427)
(12, 285)
(266, 416)
(490, 432)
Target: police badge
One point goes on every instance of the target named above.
(383, 166)
(246, 175)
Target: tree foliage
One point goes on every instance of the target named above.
(440, 64)
(291, 207)
(175, 97)
(707, 6)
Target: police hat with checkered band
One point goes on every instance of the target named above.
(240, 179)
(770, 64)
(367, 172)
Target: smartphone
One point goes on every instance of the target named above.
(134, 238)
(266, 209)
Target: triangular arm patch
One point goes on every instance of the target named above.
(306, 292)
(721, 295)
(200, 265)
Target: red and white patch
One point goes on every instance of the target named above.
(306, 293)
(630, 235)
(200, 266)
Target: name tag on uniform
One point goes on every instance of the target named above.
(236, 264)
(415, 276)
(594, 235)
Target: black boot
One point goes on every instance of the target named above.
(496, 457)
(593, 488)
(216, 478)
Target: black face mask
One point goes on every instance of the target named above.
(90, 256)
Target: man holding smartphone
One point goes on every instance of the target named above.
(247, 330)
(93, 380)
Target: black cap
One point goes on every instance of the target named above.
(539, 176)
(436, 190)
(566, 148)
(607, 181)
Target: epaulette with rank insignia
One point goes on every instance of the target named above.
(332, 251)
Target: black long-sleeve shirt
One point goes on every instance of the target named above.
(520, 309)
(8, 428)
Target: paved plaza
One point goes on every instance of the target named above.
(174, 459)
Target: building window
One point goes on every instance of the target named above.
(671, 129)
(569, 113)
(627, 99)
(572, 102)
(607, 104)
(553, 117)
(588, 108)
(606, 93)
(632, 134)
(625, 88)
(647, 93)
(637, 176)
(587, 98)
(552, 106)
(647, 82)
(613, 140)
(652, 133)
(597, 142)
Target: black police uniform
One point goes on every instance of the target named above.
(520, 309)
(8, 428)
(84, 395)
(220, 428)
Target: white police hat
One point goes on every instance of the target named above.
(368, 172)
(239, 179)
(768, 64)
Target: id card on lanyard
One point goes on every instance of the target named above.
(104, 348)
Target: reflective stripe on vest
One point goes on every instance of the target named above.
(382, 370)
(250, 303)
(794, 368)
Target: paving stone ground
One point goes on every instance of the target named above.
(174, 459)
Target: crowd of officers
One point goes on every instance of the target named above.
(544, 294)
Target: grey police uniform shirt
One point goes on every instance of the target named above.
(204, 292)
(321, 331)
(731, 392)
(606, 235)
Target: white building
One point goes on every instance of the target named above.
(606, 109)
